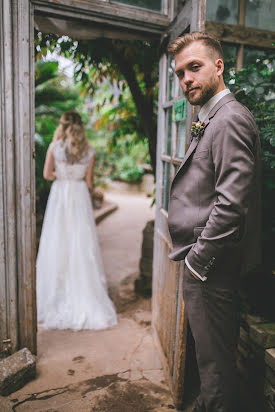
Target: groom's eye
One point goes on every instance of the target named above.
(180, 74)
(195, 67)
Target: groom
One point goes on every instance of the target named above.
(214, 215)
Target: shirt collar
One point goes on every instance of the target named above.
(208, 106)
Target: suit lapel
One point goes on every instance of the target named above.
(228, 98)
(191, 149)
(224, 100)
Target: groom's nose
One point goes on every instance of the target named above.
(187, 79)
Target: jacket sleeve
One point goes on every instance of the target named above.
(234, 166)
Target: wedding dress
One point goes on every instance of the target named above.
(71, 285)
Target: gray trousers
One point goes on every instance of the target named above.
(212, 313)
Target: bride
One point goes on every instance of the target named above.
(71, 285)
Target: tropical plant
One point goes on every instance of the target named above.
(254, 87)
(131, 62)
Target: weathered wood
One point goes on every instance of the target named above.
(180, 341)
(96, 11)
(172, 8)
(201, 14)
(181, 22)
(161, 124)
(26, 157)
(241, 35)
(19, 175)
(79, 30)
(242, 13)
(169, 320)
(197, 21)
(239, 62)
(8, 262)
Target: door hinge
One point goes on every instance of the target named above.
(6, 347)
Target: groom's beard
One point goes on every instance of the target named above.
(202, 94)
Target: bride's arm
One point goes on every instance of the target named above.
(90, 173)
(48, 171)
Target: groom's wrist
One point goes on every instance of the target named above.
(194, 272)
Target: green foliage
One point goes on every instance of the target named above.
(117, 134)
(45, 71)
(132, 63)
(118, 115)
(120, 162)
(53, 96)
(254, 87)
(127, 169)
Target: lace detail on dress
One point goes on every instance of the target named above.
(66, 170)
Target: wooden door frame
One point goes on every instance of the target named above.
(17, 158)
(17, 172)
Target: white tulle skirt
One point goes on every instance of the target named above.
(71, 285)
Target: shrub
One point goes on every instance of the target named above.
(254, 87)
(127, 170)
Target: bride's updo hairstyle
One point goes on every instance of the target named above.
(71, 130)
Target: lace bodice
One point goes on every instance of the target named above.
(66, 170)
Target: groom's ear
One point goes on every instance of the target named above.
(219, 66)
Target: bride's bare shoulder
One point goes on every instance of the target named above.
(54, 144)
(91, 150)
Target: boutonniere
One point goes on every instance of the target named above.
(197, 130)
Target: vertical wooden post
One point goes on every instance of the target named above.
(25, 171)
(240, 52)
(17, 203)
(242, 13)
(200, 5)
(8, 263)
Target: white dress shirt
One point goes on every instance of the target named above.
(203, 114)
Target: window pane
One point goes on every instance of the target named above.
(168, 131)
(170, 83)
(229, 54)
(230, 60)
(223, 11)
(181, 139)
(155, 5)
(180, 89)
(251, 55)
(260, 14)
(166, 184)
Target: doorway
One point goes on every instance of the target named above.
(93, 352)
(17, 123)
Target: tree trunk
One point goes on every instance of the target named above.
(143, 104)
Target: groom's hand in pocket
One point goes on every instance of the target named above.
(193, 274)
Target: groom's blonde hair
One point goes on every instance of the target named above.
(183, 41)
(72, 131)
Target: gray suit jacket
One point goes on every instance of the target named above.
(214, 203)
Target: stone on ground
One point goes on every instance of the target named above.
(16, 370)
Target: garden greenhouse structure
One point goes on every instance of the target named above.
(246, 28)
